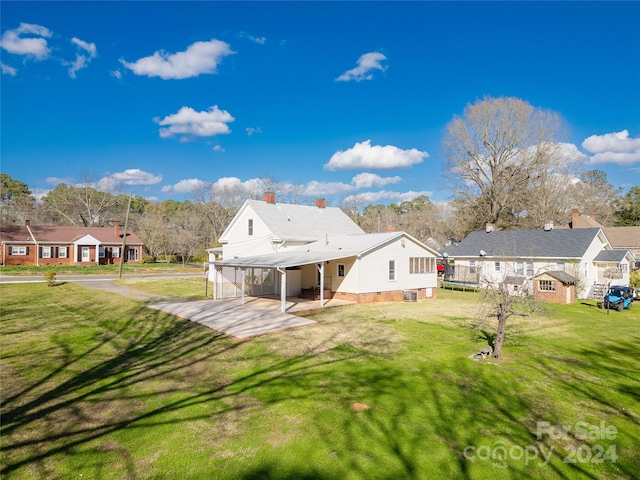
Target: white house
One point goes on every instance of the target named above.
(516, 256)
(318, 252)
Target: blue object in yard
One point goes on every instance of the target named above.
(618, 297)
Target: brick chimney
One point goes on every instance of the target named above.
(27, 223)
(391, 229)
(320, 203)
(116, 229)
(574, 218)
(270, 197)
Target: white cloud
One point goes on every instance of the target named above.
(252, 130)
(366, 63)
(377, 157)
(202, 124)
(568, 153)
(35, 45)
(117, 74)
(258, 40)
(184, 186)
(199, 58)
(131, 176)
(88, 52)
(613, 148)
(218, 148)
(7, 70)
(375, 197)
(368, 180)
(314, 188)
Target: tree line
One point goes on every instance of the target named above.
(506, 165)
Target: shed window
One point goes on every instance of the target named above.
(546, 285)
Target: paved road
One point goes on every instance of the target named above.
(90, 278)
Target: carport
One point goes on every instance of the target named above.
(279, 263)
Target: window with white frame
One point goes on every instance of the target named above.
(250, 227)
(18, 251)
(422, 265)
(546, 285)
(497, 266)
(341, 270)
(472, 266)
(62, 252)
(132, 255)
(115, 252)
(623, 267)
(392, 269)
(529, 269)
(45, 252)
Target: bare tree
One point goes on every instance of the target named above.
(219, 204)
(593, 194)
(495, 151)
(84, 204)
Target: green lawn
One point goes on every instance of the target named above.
(105, 388)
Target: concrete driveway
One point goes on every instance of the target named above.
(256, 316)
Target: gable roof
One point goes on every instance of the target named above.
(332, 247)
(615, 256)
(298, 222)
(623, 237)
(563, 243)
(55, 234)
(561, 276)
(583, 220)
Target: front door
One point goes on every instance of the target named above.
(85, 254)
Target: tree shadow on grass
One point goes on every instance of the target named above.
(138, 369)
(604, 379)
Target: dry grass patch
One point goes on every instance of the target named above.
(370, 338)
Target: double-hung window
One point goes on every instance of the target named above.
(46, 252)
(392, 269)
(250, 227)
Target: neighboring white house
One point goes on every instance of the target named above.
(516, 256)
(318, 252)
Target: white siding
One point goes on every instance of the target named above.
(373, 268)
(241, 244)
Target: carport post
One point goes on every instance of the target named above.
(242, 270)
(215, 281)
(320, 267)
(283, 290)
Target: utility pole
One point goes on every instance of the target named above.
(124, 237)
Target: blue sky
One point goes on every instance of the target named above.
(335, 98)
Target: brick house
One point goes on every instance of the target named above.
(555, 287)
(42, 245)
